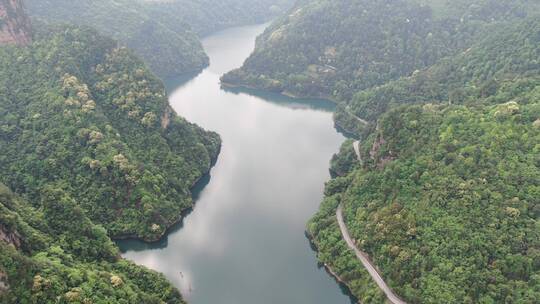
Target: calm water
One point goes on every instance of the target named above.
(244, 242)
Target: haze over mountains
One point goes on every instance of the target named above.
(439, 182)
(14, 23)
(164, 33)
(444, 96)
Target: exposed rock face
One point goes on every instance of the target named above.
(13, 238)
(14, 23)
(10, 237)
(4, 285)
(375, 152)
(166, 118)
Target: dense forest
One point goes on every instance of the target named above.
(164, 33)
(208, 16)
(46, 258)
(506, 59)
(87, 137)
(167, 51)
(445, 199)
(333, 49)
(445, 98)
(90, 149)
(445, 204)
(82, 115)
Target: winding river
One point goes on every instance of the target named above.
(244, 242)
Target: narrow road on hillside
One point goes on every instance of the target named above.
(363, 257)
(360, 120)
(356, 147)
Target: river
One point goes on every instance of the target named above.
(244, 242)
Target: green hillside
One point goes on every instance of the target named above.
(208, 16)
(333, 49)
(446, 199)
(167, 51)
(82, 115)
(48, 259)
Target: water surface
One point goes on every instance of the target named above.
(244, 241)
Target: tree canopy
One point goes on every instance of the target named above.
(80, 114)
(446, 199)
(163, 33)
(334, 49)
(57, 255)
(444, 96)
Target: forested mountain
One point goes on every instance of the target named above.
(207, 16)
(506, 59)
(52, 253)
(445, 204)
(445, 199)
(82, 115)
(90, 148)
(445, 96)
(167, 51)
(159, 31)
(14, 23)
(333, 49)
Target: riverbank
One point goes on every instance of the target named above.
(366, 262)
(284, 93)
(183, 213)
(342, 282)
(244, 241)
(349, 125)
(342, 128)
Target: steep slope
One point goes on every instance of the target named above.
(333, 49)
(80, 114)
(159, 31)
(55, 254)
(444, 95)
(207, 16)
(167, 51)
(445, 201)
(506, 59)
(14, 23)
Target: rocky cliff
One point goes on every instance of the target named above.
(4, 285)
(14, 23)
(10, 237)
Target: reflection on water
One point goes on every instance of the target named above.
(244, 241)
(282, 100)
(134, 245)
(178, 82)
